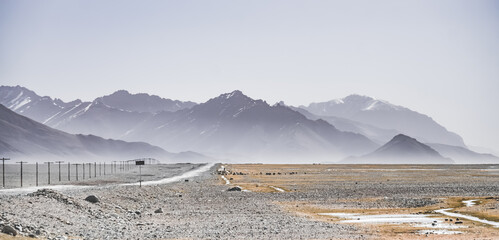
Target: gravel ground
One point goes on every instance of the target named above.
(202, 208)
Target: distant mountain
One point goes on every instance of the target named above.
(109, 116)
(29, 104)
(402, 149)
(24, 138)
(378, 135)
(235, 125)
(464, 156)
(384, 115)
(142, 102)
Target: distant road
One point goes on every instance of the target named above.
(189, 174)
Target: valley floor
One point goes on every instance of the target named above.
(277, 202)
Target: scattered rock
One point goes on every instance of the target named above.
(9, 230)
(159, 210)
(234, 189)
(92, 199)
(49, 193)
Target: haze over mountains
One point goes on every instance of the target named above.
(234, 126)
(384, 115)
(23, 137)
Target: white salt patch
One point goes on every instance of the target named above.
(227, 182)
(381, 218)
(470, 203)
(390, 219)
(438, 232)
(278, 189)
(340, 215)
(440, 225)
(458, 215)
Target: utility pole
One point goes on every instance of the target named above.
(59, 169)
(89, 170)
(3, 170)
(114, 167)
(83, 165)
(140, 163)
(49, 169)
(21, 162)
(69, 171)
(95, 169)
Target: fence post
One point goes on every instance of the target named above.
(49, 170)
(3, 170)
(59, 169)
(76, 164)
(21, 162)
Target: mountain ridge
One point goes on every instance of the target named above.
(26, 139)
(236, 124)
(384, 115)
(402, 149)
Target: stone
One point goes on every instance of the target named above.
(92, 199)
(234, 189)
(159, 210)
(9, 230)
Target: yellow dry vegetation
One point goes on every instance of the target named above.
(291, 177)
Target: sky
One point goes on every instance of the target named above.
(440, 58)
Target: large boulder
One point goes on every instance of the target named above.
(9, 230)
(232, 189)
(92, 199)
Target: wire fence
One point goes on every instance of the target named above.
(22, 174)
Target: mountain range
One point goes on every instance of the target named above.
(25, 139)
(21, 136)
(236, 127)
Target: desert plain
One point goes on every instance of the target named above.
(262, 201)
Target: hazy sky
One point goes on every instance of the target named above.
(440, 58)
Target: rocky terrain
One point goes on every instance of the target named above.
(194, 208)
(201, 207)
